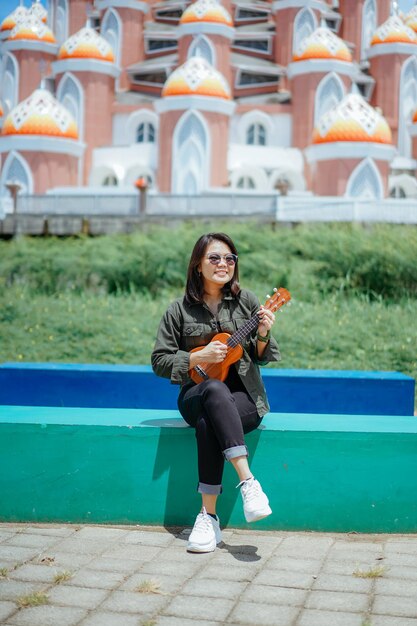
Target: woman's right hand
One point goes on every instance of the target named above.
(214, 352)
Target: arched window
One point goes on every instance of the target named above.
(145, 133)
(16, 170)
(111, 31)
(61, 21)
(110, 181)
(305, 23)
(329, 93)
(10, 83)
(369, 25)
(70, 94)
(201, 47)
(256, 135)
(408, 104)
(245, 182)
(190, 155)
(365, 182)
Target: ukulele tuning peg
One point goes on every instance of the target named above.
(275, 289)
(267, 296)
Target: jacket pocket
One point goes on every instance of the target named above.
(193, 335)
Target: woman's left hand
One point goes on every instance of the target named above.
(267, 319)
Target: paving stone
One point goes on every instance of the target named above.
(352, 556)
(382, 620)
(305, 546)
(199, 608)
(100, 533)
(275, 595)
(64, 531)
(146, 538)
(83, 546)
(107, 564)
(172, 568)
(34, 573)
(17, 553)
(337, 601)
(135, 602)
(208, 587)
(335, 582)
(256, 614)
(289, 563)
(238, 572)
(298, 580)
(5, 535)
(134, 552)
(330, 618)
(95, 579)
(13, 589)
(26, 540)
(407, 545)
(395, 605)
(105, 618)
(401, 558)
(47, 616)
(400, 571)
(170, 620)
(167, 584)
(395, 587)
(6, 609)
(67, 560)
(346, 568)
(77, 596)
(357, 544)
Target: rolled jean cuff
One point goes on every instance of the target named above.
(212, 490)
(232, 453)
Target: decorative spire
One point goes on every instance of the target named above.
(395, 9)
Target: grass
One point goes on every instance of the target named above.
(99, 300)
(334, 333)
(33, 599)
(149, 586)
(4, 572)
(374, 572)
(61, 577)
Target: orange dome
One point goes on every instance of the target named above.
(86, 44)
(353, 119)
(41, 114)
(206, 11)
(415, 117)
(394, 31)
(1, 110)
(411, 19)
(39, 11)
(14, 18)
(322, 44)
(31, 28)
(197, 78)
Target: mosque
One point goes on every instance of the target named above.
(315, 97)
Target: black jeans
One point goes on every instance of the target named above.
(221, 414)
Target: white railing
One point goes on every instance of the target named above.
(274, 207)
(325, 209)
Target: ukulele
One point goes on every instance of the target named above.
(204, 371)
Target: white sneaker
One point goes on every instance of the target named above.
(206, 533)
(255, 502)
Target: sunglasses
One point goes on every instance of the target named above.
(214, 259)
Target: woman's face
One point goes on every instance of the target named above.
(216, 274)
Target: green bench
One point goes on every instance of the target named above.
(138, 466)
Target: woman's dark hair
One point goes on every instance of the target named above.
(194, 289)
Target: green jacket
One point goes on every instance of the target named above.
(186, 326)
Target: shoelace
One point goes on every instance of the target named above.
(202, 522)
(250, 489)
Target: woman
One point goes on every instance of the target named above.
(220, 412)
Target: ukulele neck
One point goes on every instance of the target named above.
(243, 331)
